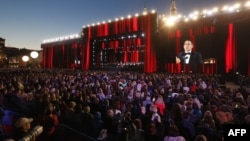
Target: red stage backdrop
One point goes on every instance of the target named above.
(145, 43)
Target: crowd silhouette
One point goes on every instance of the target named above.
(125, 105)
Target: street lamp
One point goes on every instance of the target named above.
(25, 58)
(34, 54)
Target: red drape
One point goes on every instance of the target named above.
(230, 50)
(86, 51)
(178, 49)
(149, 56)
(50, 57)
(44, 57)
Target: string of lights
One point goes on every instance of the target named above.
(169, 19)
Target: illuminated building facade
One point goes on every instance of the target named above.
(145, 42)
(124, 43)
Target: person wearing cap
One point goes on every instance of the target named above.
(22, 127)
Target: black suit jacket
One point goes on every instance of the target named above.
(195, 60)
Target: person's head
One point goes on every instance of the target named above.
(176, 111)
(138, 123)
(87, 109)
(173, 130)
(50, 108)
(143, 110)
(153, 109)
(225, 114)
(23, 124)
(72, 104)
(159, 99)
(152, 128)
(46, 98)
(200, 137)
(208, 115)
(188, 45)
(110, 113)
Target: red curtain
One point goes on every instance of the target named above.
(149, 56)
(86, 50)
(135, 24)
(50, 57)
(178, 49)
(230, 50)
(44, 57)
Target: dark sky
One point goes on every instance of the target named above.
(27, 23)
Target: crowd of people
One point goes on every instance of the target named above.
(124, 105)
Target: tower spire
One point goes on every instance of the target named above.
(173, 9)
(145, 6)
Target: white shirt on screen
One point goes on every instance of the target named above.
(187, 58)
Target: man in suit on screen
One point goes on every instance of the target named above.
(190, 60)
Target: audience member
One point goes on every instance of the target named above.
(22, 127)
(173, 134)
(159, 100)
(200, 137)
(49, 120)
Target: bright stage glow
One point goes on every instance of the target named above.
(237, 7)
(196, 13)
(171, 21)
(144, 12)
(215, 9)
(186, 19)
(153, 11)
(224, 8)
(194, 17)
(209, 12)
(247, 4)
